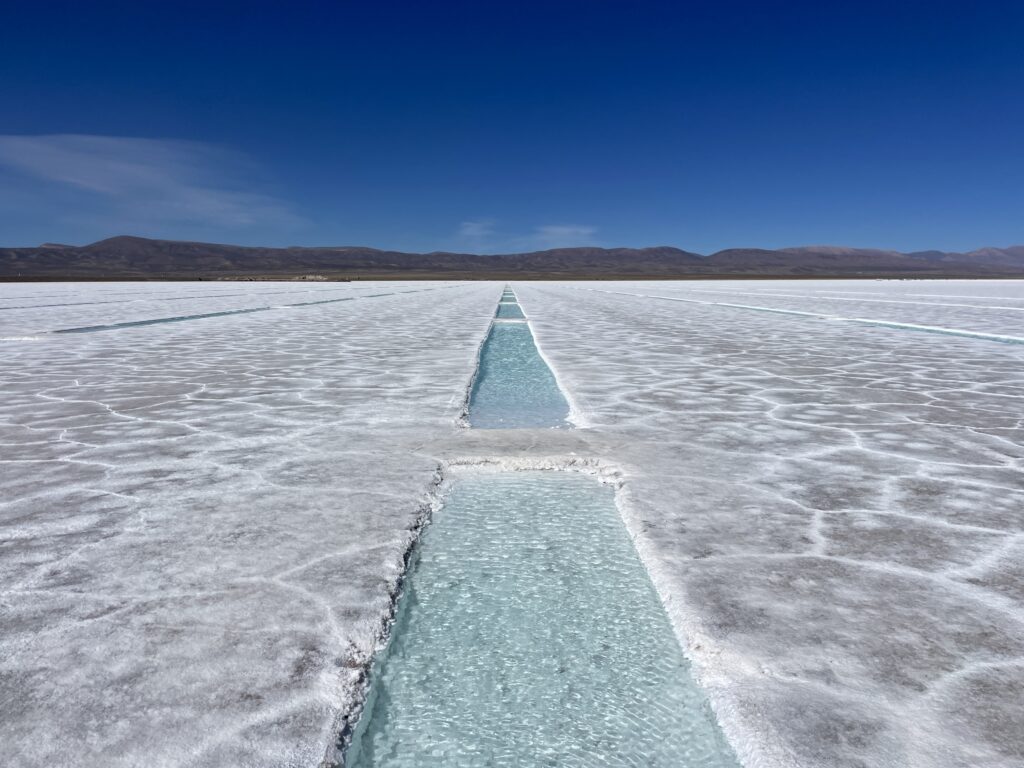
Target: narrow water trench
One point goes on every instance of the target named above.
(509, 310)
(528, 632)
(514, 387)
(226, 312)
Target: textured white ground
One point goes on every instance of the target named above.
(834, 512)
(202, 522)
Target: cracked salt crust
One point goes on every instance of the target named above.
(830, 511)
(204, 522)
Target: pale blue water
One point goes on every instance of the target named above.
(224, 313)
(530, 635)
(160, 320)
(514, 386)
(509, 310)
(1005, 339)
(183, 318)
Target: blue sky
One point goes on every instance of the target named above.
(508, 126)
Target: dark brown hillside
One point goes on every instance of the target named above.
(137, 258)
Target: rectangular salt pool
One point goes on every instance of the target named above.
(509, 310)
(530, 635)
(514, 386)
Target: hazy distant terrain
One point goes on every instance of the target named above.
(121, 258)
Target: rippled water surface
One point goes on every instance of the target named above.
(509, 310)
(530, 635)
(514, 386)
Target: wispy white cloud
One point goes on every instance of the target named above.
(475, 235)
(483, 236)
(145, 185)
(564, 235)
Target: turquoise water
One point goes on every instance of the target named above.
(530, 635)
(183, 318)
(160, 320)
(510, 311)
(514, 386)
(225, 313)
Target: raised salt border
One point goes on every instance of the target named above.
(204, 522)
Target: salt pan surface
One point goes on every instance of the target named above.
(833, 512)
(204, 522)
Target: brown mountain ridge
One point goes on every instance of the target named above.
(137, 258)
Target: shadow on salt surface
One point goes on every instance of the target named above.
(530, 634)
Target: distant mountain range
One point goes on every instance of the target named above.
(137, 258)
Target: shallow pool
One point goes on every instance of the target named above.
(530, 635)
(509, 310)
(514, 386)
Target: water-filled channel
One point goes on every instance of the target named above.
(514, 386)
(509, 310)
(530, 635)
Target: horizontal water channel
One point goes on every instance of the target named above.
(530, 635)
(226, 312)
